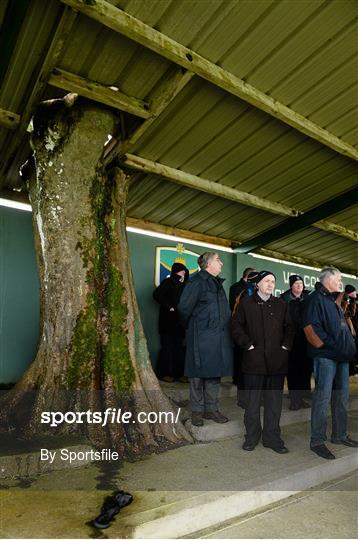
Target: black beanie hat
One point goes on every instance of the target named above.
(263, 274)
(295, 278)
(252, 276)
(349, 289)
(177, 267)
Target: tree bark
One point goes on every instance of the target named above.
(92, 352)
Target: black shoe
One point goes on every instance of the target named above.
(197, 419)
(110, 509)
(322, 451)
(216, 416)
(248, 446)
(278, 449)
(347, 441)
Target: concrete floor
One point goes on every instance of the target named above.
(328, 512)
(59, 504)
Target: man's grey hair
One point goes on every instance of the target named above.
(327, 272)
(205, 258)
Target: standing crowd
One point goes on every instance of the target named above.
(261, 339)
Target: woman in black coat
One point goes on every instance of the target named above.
(172, 354)
(262, 327)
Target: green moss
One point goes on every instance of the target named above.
(106, 293)
(117, 361)
(84, 348)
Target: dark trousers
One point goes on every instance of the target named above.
(299, 375)
(238, 377)
(171, 357)
(204, 394)
(270, 387)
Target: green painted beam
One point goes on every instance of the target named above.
(292, 225)
(14, 17)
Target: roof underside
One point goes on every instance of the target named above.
(300, 53)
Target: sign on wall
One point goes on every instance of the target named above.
(165, 257)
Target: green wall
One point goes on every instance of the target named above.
(19, 287)
(142, 251)
(19, 294)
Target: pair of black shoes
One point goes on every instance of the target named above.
(110, 509)
(279, 449)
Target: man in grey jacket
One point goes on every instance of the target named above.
(205, 313)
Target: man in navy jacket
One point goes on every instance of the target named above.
(332, 347)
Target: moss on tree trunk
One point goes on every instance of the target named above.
(92, 352)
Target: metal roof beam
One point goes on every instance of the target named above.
(127, 25)
(201, 184)
(9, 119)
(98, 92)
(290, 226)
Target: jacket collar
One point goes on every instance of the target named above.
(325, 292)
(205, 275)
(258, 298)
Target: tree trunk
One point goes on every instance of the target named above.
(92, 353)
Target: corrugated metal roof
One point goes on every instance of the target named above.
(325, 246)
(300, 52)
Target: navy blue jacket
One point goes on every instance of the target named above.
(326, 330)
(204, 311)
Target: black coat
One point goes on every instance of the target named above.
(235, 290)
(205, 312)
(267, 326)
(296, 307)
(167, 294)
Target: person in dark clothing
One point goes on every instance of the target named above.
(262, 327)
(245, 287)
(350, 309)
(299, 364)
(172, 333)
(205, 312)
(239, 286)
(332, 347)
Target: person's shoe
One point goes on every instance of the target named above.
(216, 416)
(167, 378)
(183, 379)
(197, 419)
(278, 449)
(322, 451)
(110, 509)
(248, 446)
(347, 441)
